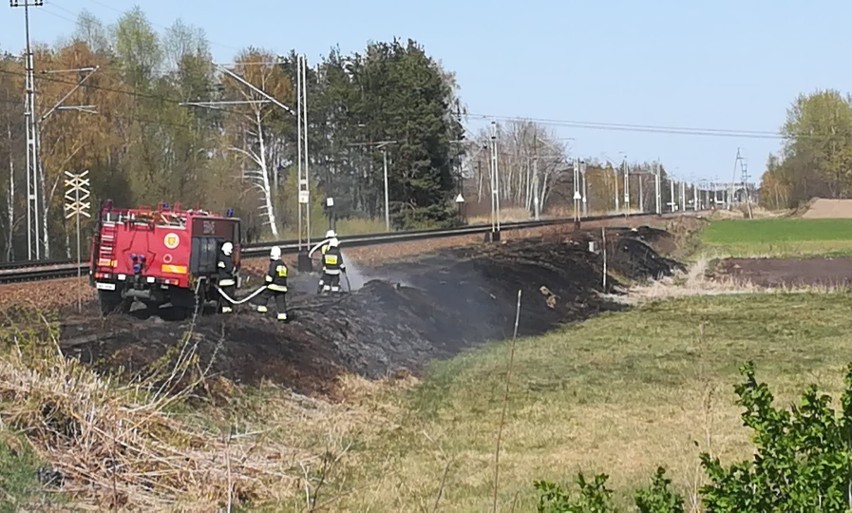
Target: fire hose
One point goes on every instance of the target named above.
(259, 290)
(240, 301)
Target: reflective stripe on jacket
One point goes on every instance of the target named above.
(276, 276)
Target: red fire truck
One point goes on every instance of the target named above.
(159, 256)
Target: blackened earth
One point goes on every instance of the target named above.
(413, 312)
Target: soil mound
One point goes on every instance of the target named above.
(415, 312)
(822, 208)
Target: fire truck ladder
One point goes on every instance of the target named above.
(106, 245)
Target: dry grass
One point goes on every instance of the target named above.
(619, 394)
(145, 445)
(697, 281)
(353, 226)
(119, 447)
(694, 282)
(507, 215)
(340, 433)
(741, 212)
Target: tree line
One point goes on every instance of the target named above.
(816, 156)
(162, 122)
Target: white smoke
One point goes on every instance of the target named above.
(357, 277)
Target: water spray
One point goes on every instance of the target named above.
(358, 276)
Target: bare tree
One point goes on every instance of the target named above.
(528, 159)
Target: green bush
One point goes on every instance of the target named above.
(441, 215)
(659, 498)
(802, 457)
(595, 497)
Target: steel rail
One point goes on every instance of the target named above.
(17, 272)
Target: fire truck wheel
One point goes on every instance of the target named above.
(112, 302)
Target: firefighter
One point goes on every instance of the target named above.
(226, 279)
(323, 247)
(332, 266)
(323, 244)
(276, 285)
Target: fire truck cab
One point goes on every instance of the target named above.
(159, 256)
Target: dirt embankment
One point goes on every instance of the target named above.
(433, 307)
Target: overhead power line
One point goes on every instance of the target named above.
(626, 127)
(136, 94)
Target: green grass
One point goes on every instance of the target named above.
(621, 394)
(19, 486)
(780, 237)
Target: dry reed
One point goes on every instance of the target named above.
(122, 446)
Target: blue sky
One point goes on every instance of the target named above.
(720, 64)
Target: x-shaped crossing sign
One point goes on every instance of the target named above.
(76, 194)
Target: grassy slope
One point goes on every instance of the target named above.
(618, 394)
(782, 237)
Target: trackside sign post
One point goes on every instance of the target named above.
(76, 204)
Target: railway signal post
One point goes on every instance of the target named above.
(494, 234)
(304, 177)
(577, 196)
(76, 204)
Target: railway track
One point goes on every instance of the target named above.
(17, 272)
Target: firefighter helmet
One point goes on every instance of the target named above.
(330, 234)
(275, 253)
(227, 248)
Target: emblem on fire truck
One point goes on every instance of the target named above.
(171, 240)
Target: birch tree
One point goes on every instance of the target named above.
(12, 146)
(253, 138)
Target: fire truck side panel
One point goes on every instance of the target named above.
(207, 236)
(170, 249)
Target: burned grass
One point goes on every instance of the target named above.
(431, 308)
